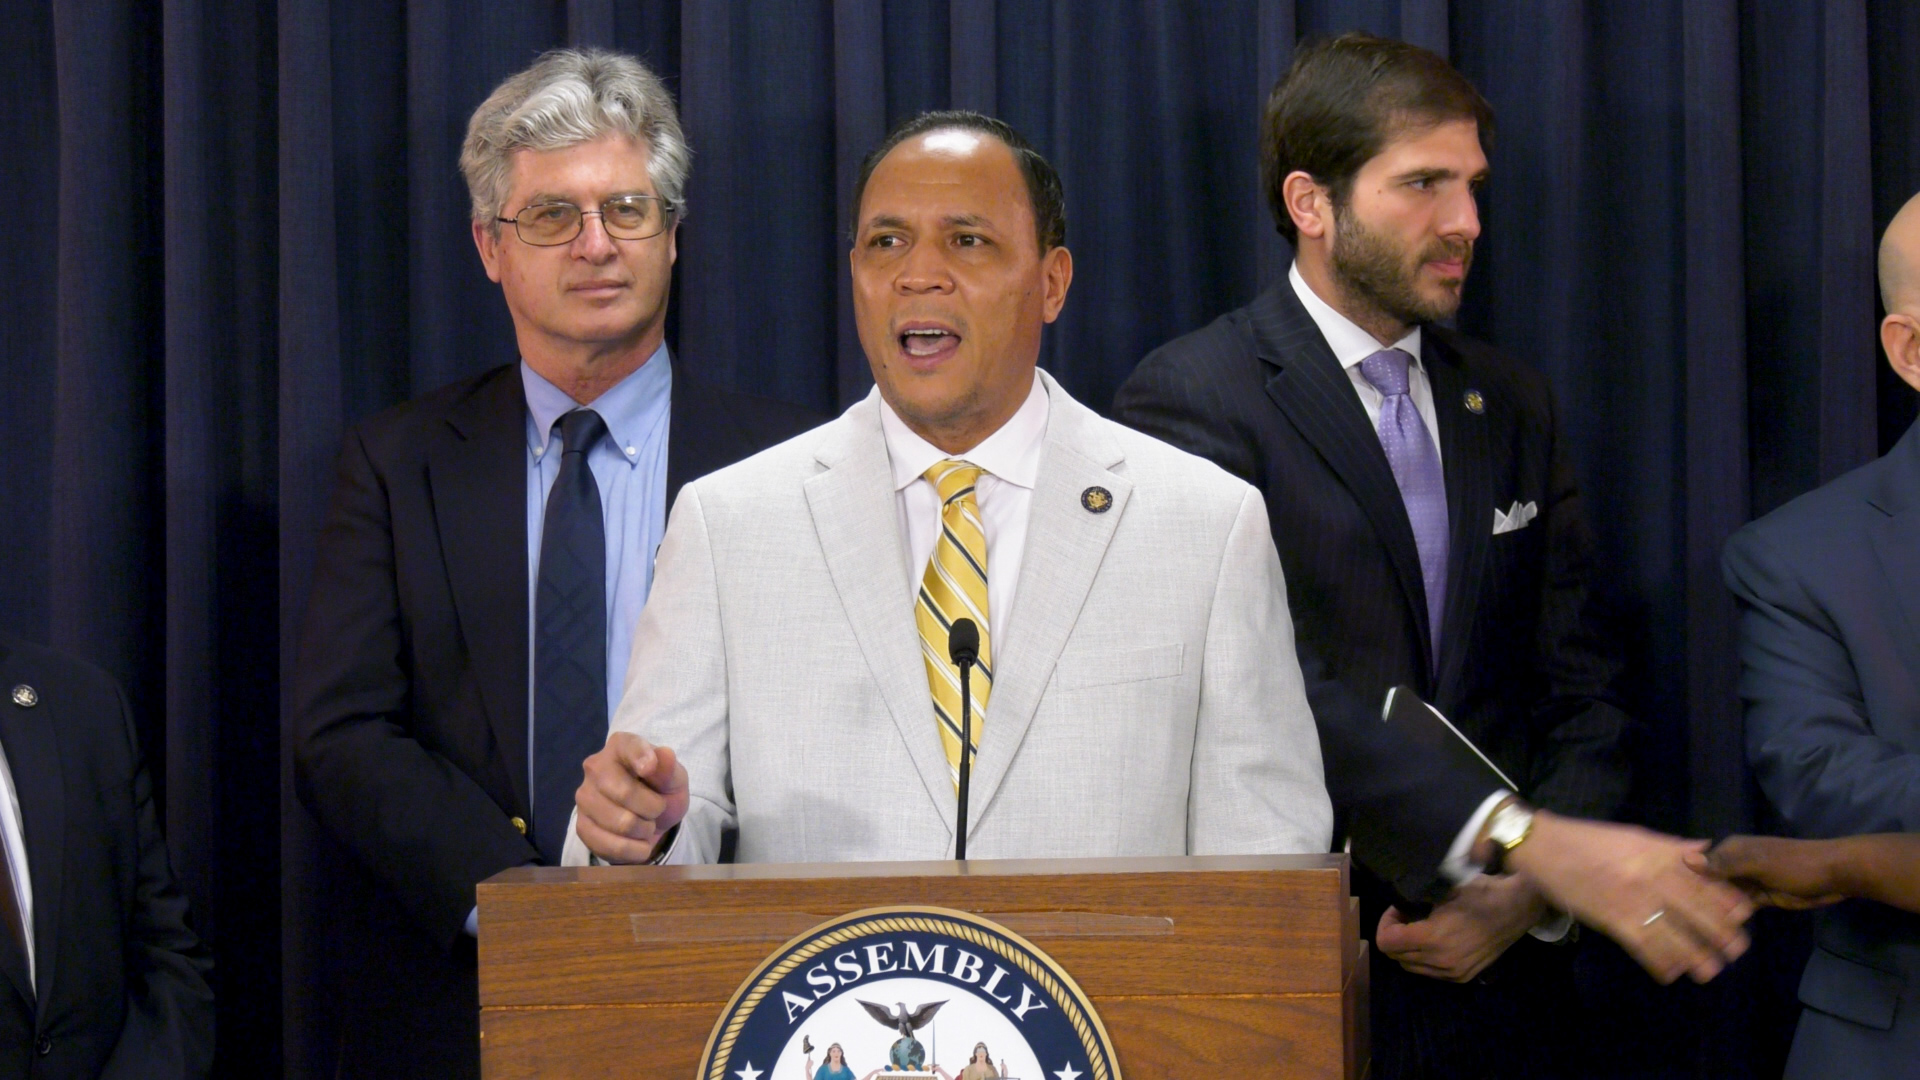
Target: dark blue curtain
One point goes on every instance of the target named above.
(236, 228)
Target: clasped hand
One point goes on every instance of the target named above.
(1464, 933)
(1640, 888)
(1636, 887)
(634, 792)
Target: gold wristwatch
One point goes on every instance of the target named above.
(1508, 828)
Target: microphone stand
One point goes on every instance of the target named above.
(966, 757)
(963, 648)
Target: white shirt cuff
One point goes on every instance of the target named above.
(1553, 928)
(574, 852)
(1458, 867)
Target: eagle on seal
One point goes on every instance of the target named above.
(907, 1052)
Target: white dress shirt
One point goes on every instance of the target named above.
(1351, 345)
(1004, 494)
(16, 851)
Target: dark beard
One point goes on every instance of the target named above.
(1373, 271)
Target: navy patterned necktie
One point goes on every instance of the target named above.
(1416, 469)
(570, 635)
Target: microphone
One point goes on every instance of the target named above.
(963, 648)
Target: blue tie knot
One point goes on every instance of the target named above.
(1386, 370)
(580, 429)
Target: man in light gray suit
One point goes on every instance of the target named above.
(1137, 692)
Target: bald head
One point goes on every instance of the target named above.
(1900, 292)
(1900, 261)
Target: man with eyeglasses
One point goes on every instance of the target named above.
(489, 548)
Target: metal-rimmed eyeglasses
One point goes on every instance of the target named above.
(625, 217)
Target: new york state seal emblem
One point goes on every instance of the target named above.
(899, 992)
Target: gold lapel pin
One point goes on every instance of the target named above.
(25, 696)
(1474, 402)
(1097, 499)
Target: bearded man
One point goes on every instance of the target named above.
(1431, 536)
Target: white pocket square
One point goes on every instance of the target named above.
(1506, 521)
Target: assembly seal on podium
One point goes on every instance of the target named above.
(920, 992)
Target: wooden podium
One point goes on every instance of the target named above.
(1213, 966)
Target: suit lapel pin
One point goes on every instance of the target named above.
(25, 696)
(1097, 500)
(1474, 402)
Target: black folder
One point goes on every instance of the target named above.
(1423, 726)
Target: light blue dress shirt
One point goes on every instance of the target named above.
(630, 466)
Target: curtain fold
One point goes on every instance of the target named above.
(217, 602)
(237, 229)
(107, 323)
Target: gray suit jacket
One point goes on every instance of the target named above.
(1146, 701)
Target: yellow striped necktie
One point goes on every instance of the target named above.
(955, 587)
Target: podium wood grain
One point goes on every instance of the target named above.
(1195, 965)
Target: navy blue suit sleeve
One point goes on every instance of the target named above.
(1809, 739)
(169, 1027)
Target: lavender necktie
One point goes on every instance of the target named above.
(1416, 469)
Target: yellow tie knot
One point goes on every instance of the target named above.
(952, 479)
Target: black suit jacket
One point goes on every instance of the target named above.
(1829, 595)
(410, 690)
(122, 978)
(1521, 670)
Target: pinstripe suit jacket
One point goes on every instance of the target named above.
(1520, 669)
(1146, 699)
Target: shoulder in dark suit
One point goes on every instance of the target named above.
(1828, 588)
(1521, 670)
(410, 690)
(122, 977)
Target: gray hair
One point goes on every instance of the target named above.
(569, 97)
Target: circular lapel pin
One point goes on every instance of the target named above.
(1474, 402)
(1097, 499)
(25, 696)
